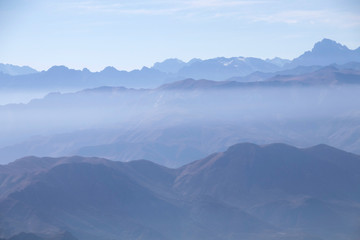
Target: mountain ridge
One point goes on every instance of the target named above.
(16, 70)
(327, 52)
(224, 185)
(324, 53)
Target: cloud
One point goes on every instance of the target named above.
(342, 19)
(250, 11)
(131, 8)
(220, 3)
(158, 7)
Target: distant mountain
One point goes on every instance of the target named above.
(62, 78)
(218, 68)
(224, 68)
(191, 84)
(327, 52)
(324, 76)
(324, 53)
(249, 191)
(299, 70)
(262, 76)
(278, 61)
(183, 121)
(171, 65)
(16, 70)
(300, 76)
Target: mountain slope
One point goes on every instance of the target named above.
(327, 52)
(247, 192)
(292, 188)
(78, 196)
(130, 201)
(224, 68)
(195, 118)
(276, 166)
(171, 65)
(62, 78)
(16, 70)
(324, 76)
(321, 76)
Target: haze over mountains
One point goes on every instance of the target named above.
(185, 120)
(78, 145)
(60, 78)
(327, 52)
(16, 70)
(247, 192)
(154, 124)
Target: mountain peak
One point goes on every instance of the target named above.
(171, 65)
(16, 70)
(328, 45)
(59, 68)
(109, 69)
(242, 147)
(174, 60)
(326, 52)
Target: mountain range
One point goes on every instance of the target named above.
(16, 70)
(185, 120)
(60, 78)
(322, 76)
(249, 191)
(327, 52)
(63, 78)
(324, 53)
(80, 172)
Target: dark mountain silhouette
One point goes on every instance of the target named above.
(269, 192)
(248, 167)
(123, 200)
(287, 186)
(25, 236)
(31, 236)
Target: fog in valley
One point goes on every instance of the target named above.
(10, 96)
(177, 125)
(179, 120)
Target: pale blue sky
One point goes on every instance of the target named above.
(129, 34)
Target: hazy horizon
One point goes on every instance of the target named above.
(232, 145)
(95, 34)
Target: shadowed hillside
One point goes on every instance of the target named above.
(249, 191)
